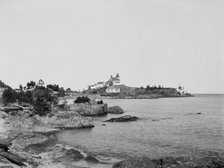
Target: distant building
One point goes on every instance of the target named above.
(98, 85)
(118, 89)
(115, 85)
(181, 90)
(113, 89)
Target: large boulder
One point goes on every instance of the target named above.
(66, 120)
(123, 119)
(115, 110)
(28, 139)
(136, 163)
(89, 110)
(171, 162)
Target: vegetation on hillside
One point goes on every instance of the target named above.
(2, 84)
(82, 99)
(43, 101)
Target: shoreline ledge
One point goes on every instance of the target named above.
(29, 141)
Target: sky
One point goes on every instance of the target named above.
(76, 43)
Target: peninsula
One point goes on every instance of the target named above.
(113, 88)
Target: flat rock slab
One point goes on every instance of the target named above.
(125, 118)
(28, 139)
(171, 162)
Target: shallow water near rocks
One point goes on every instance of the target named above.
(167, 127)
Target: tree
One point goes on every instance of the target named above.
(147, 87)
(43, 101)
(54, 87)
(20, 87)
(2, 84)
(61, 92)
(83, 99)
(68, 90)
(30, 84)
(9, 96)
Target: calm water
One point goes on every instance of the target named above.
(169, 126)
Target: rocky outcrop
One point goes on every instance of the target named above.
(136, 163)
(68, 120)
(14, 107)
(89, 110)
(171, 162)
(115, 110)
(92, 159)
(125, 118)
(28, 139)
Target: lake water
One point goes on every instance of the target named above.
(167, 127)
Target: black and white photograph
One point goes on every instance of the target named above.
(111, 83)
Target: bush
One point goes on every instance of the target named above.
(43, 102)
(83, 99)
(9, 96)
(100, 102)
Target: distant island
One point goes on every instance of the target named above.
(113, 88)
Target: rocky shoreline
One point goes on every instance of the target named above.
(29, 140)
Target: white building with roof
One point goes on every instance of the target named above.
(115, 83)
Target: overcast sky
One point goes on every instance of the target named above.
(75, 43)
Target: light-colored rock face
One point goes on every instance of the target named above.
(25, 140)
(88, 109)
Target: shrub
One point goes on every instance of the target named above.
(100, 102)
(43, 101)
(83, 99)
(9, 96)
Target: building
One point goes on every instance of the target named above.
(97, 86)
(118, 89)
(114, 84)
(181, 90)
(113, 89)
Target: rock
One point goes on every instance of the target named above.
(4, 147)
(115, 110)
(28, 139)
(171, 162)
(8, 108)
(90, 158)
(123, 119)
(88, 109)
(199, 113)
(13, 158)
(103, 124)
(74, 154)
(3, 160)
(68, 121)
(136, 163)
(3, 114)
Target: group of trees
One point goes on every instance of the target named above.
(43, 101)
(42, 98)
(82, 99)
(56, 88)
(2, 84)
(148, 87)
